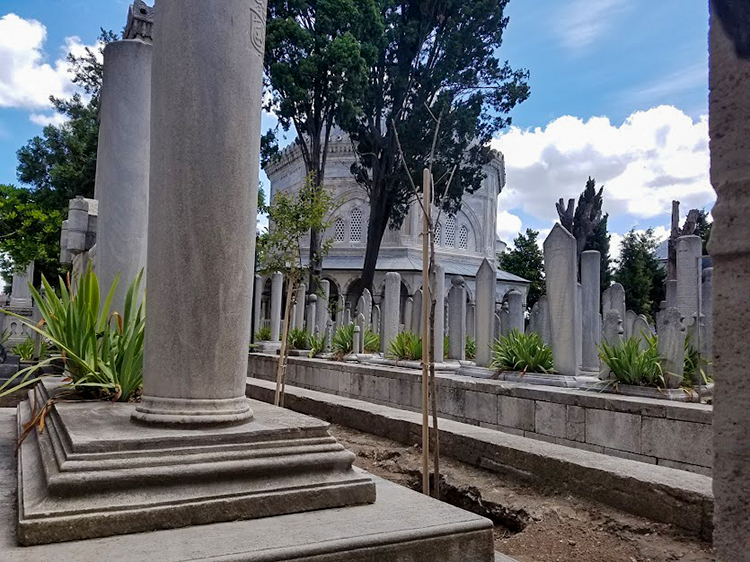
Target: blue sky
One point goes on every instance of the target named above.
(618, 92)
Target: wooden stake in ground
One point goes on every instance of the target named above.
(426, 302)
(283, 351)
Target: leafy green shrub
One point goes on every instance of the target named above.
(694, 366)
(102, 351)
(406, 346)
(632, 365)
(372, 342)
(4, 336)
(470, 348)
(297, 339)
(317, 344)
(521, 352)
(343, 341)
(25, 349)
(446, 346)
(263, 334)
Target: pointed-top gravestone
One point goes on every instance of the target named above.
(612, 330)
(324, 290)
(416, 313)
(561, 269)
(539, 320)
(590, 304)
(391, 307)
(630, 317)
(516, 320)
(368, 307)
(671, 330)
(614, 299)
(484, 314)
(641, 330)
(457, 318)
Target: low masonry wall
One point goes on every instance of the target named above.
(672, 434)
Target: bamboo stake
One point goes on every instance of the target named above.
(426, 304)
(281, 368)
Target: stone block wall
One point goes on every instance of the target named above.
(677, 435)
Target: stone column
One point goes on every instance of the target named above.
(579, 325)
(630, 317)
(707, 327)
(591, 331)
(375, 324)
(408, 312)
(516, 320)
(322, 310)
(688, 277)
(416, 313)
(439, 327)
(457, 318)
(257, 302)
(311, 314)
(20, 296)
(561, 281)
(539, 320)
(340, 312)
(299, 312)
(486, 280)
(205, 140)
(391, 307)
(670, 293)
(277, 290)
(470, 315)
(729, 129)
(367, 296)
(122, 165)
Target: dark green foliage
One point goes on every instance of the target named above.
(526, 260)
(406, 346)
(263, 334)
(317, 344)
(372, 342)
(470, 348)
(640, 273)
(599, 240)
(343, 341)
(630, 364)
(298, 339)
(703, 229)
(434, 59)
(58, 166)
(522, 352)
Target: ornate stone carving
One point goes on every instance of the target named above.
(140, 22)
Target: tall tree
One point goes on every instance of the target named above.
(703, 228)
(435, 60)
(640, 272)
(317, 55)
(526, 260)
(599, 240)
(57, 166)
(581, 219)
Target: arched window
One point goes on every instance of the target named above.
(463, 238)
(355, 229)
(439, 235)
(450, 232)
(338, 230)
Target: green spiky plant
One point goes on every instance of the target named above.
(298, 339)
(102, 351)
(406, 346)
(263, 334)
(317, 344)
(372, 342)
(446, 346)
(470, 348)
(630, 364)
(521, 352)
(25, 349)
(343, 342)
(694, 369)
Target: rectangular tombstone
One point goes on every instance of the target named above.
(486, 281)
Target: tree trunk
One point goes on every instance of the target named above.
(284, 350)
(376, 225)
(433, 386)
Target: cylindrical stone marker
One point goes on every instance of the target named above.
(457, 318)
(324, 289)
(439, 327)
(391, 307)
(257, 302)
(688, 277)
(516, 320)
(277, 290)
(486, 281)
(205, 140)
(122, 165)
(590, 297)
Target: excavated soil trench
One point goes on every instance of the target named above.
(531, 524)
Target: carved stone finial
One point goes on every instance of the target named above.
(140, 22)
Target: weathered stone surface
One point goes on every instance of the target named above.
(613, 298)
(416, 312)
(516, 413)
(470, 319)
(550, 419)
(480, 406)
(503, 316)
(612, 331)
(630, 317)
(575, 424)
(299, 311)
(439, 327)
(641, 329)
(486, 282)
(670, 292)
(408, 312)
(561, 281)
(516, 320)
(579, 325)
(311, 313)
(688, 277)
(257, 302)
(322, 315)
(671, 331)
(376, 323)
(590, 305)
(277, 290)
(707, 319)
(357, 342)
(391, 307)
(122, 165)
(615, 430)
(20, 296)
(457, 318)
(539, 319)
(687, 442)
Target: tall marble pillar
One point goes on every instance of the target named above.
(590, 297)
(20, 296)
(277, 290)
(729, 130)
(207, 77)
(457, 318)
(484, 315)
(298, 320)
(391, 307)
(439, 326)
(257, 302)
(516, 319)
(122, 165)
(321, 311)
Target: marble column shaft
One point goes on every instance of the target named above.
(590, 305)
(277, 290)
(439, 326)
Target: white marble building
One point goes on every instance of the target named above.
(462, 240)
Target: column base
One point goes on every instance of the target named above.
(187, 412)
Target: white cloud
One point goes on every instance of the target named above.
(668, 86)
(661, 233)
(27, 80)
(581, 22)
(508, 226)
(45, 119)
(655, 156)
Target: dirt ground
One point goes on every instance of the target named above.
(532, 525)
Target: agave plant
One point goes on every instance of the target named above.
(343, 341)
(102, 352)
(694, 368)
(372, 342)
(470, 348)
(298, 339)
(317, 344)
(406, 346)
(263, 334)
(522, 352)
(25, 349)
(630, 364)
